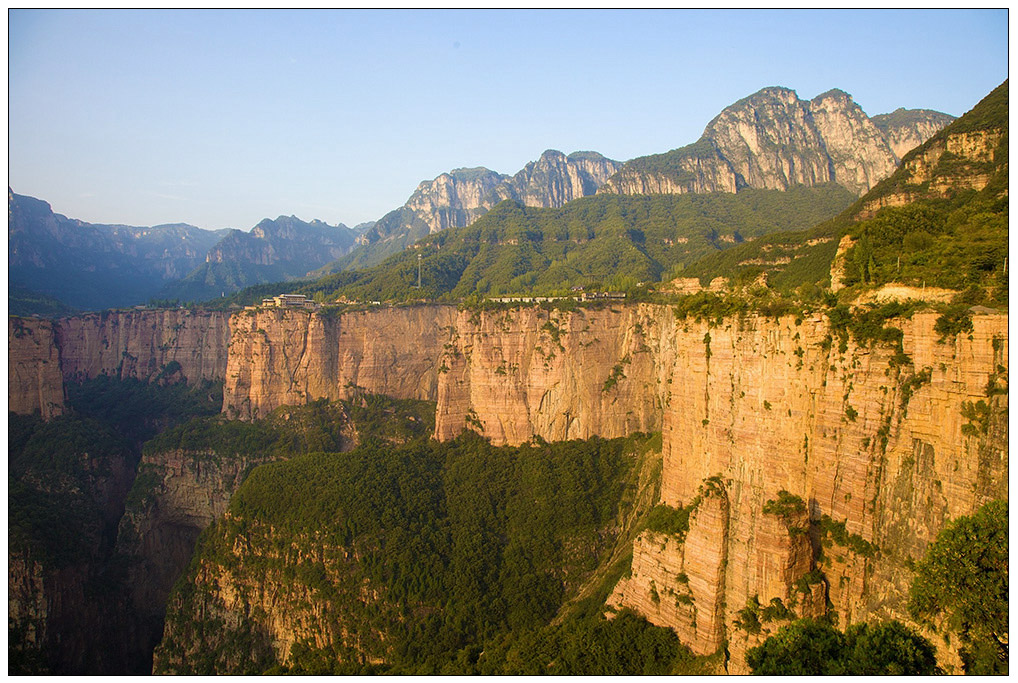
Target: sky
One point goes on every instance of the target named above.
(222, 118)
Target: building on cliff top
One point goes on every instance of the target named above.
(289, 301)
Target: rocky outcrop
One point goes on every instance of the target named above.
(966, 160)
(289, 357)
(906, 129)
(555, 179)
(458, 198)
(878, 447)
(176, 496)
(774, 140)
(34, 383)
(243, 591)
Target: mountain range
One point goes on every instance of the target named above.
(770, 140)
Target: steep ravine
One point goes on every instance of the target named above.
(874, 443)
(752, 406)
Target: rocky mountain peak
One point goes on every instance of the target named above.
(774, 140)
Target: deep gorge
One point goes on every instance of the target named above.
(873, 436)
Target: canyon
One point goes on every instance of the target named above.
(879, 444)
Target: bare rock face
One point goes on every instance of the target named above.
(555, 179)
(860, 153)
(526, 372)
(290, 357)
(35, 383)
(875, 448)
(924, 173)
(906, 129)
(458, 198)
(251, 590)
(43, 354)
(774, 140)
(140, 344)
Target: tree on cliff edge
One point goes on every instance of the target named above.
(961, 587)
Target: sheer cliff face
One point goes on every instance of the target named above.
(42, 354)
(286, 357)
(140, 344)
(774, 140)
(880, 447)
(35, 383)
(907, 129)
(559, 375)
(934, 170)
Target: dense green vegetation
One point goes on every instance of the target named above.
(138, 410)
(599, 242)
(67, 479)
(472, 547)
(24, 301)
(815, 648)
(62, 474)
(955, 239)
(56, 472)
(961, 587)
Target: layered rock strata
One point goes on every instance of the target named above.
(43, 354)
(287, 357)
(140, 344)
(34, 382)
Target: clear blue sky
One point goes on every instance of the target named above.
(222, 118)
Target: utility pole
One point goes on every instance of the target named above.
(418, 271)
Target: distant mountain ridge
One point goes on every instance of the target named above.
(769, 140)
(95, 266)
(458, 198)
(773, 140)
(88, 265)
(273, 251)
(939, 220)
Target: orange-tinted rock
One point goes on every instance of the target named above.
(35, 384)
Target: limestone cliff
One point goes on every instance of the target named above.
(880, 446)
(286, 357)
(140, 344)
(43, 354)
(949, 163)
(176, 496)
(879, 451)
(458, 198)
(527, 372)
(34, 383)
(774, 140)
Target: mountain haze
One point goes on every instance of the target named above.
(273, 251)
(93, 266)
(57, 262)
